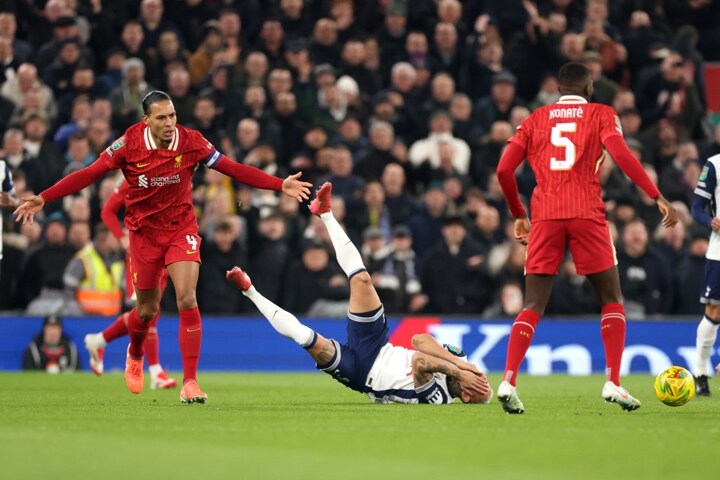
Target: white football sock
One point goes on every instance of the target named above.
(155, 370)
(706, 335)
(345, 251)
(100, 340)
(284, 322)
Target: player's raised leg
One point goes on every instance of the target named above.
(285, 323)
(612, 332)
(705, 340)
(184, 275)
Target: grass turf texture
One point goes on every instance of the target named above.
(297, 426)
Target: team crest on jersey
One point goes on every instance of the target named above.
(457, 351)
(704, 173)
(178, 161)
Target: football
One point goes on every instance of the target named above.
(675, 386)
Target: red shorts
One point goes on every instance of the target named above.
(153, 250)
(588, 239)
(130, 288)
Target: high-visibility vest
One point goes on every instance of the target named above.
(99, 292)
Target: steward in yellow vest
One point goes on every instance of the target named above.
(96, 274)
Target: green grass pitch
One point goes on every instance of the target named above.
(307, 426)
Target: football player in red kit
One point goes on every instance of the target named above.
(565, 144)
(95, 343)
(158, 157)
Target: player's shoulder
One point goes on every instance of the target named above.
(191, 139)
(133, 137)
(712, 162)
(602, 109)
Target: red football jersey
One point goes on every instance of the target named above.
(159, 193)
(564, 147)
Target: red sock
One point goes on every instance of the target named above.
(190, 338)
(521, 336)
(152, 342)
(117, 329)
(612, 331)
(137, 330)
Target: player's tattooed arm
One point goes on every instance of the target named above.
(426, 343)
(424, 365)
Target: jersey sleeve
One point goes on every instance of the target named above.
(7, 183)
(209, 155)
(522, 134)
(609, 124)
(114, 156)
(433, 392)
(703, 195)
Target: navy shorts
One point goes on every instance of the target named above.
(711, 292)
(367, 334)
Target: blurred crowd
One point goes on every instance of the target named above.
(404, 106)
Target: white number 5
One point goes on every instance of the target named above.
(557, 139)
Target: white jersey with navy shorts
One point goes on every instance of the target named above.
(6, 186)
(704, 209)
(369, 364)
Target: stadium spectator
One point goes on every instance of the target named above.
(323, 286)
(453, 276)
(213, 294)
(51, 349)
(41, 286)
(126, 98)
(401, 205)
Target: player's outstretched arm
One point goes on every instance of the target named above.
(29, 208)
(74, 182)
(292, 187)
(255, 177)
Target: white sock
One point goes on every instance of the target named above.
(284, 322)
(345, 251)
(100, 339)
(155, 370)
(706, 335)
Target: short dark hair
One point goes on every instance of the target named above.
(154, 96)
(573, 73)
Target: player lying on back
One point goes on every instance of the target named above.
(565, 144)
(95, 343)
(368, 363)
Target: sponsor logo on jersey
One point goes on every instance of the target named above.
(143, 181)
(162, 181)
(118, 144)
(178, 161)
(142, 165)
